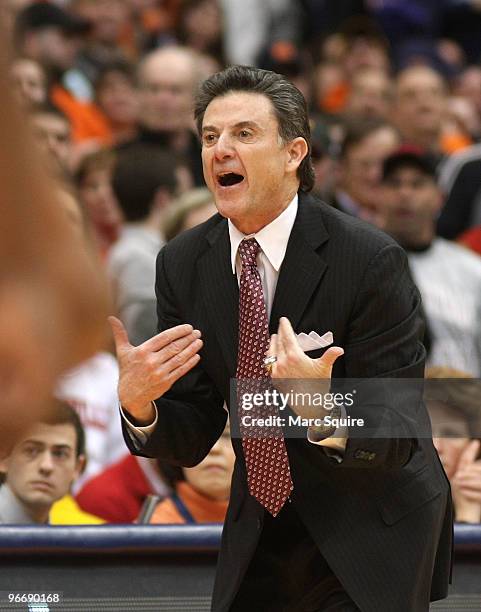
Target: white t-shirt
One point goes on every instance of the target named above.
(91, 389)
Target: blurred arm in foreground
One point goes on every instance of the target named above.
(53, 298)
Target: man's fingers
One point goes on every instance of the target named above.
(177, 346)
(158, 342)
(272, 350)
(121, 338)
(468, 456)
(184, 368)
(329, 357)
(182, 356)
(287, 337)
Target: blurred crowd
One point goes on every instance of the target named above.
(394, 92)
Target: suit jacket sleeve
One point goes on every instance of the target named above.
(383, 343)
(191, 416)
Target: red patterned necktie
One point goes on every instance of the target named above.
(267, 462)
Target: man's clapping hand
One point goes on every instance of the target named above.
(149, 370)
(297, 372)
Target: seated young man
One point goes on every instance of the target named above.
(41, 468)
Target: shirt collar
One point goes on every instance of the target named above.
(272, 238)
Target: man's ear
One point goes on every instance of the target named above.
(80, 466)
(297, 150)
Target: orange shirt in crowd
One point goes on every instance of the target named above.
(452, 142)
(189, 506)
(88, 122)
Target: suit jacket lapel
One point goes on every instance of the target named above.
(302, 268)
(221, 292)
(300, 274)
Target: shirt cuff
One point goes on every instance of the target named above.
(138, 434)
(337, 440)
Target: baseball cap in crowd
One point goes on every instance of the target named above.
(410, 156)
(42, 15)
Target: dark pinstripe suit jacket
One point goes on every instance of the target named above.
(381, 518)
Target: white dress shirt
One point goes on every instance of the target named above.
(272, 239)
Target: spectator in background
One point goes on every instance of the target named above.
(365, 46)
(144, 182)
(358, 46)
(420, 109)
(454, 404)
(118, 493)
(52, 36)
(371, 95)
(29, 81)
(190, 209)
(167, 79)
(104, 43)
(53, 132)
(447, 275)
(199, 27)
(202, 496)
(41, 469)
(152, 23)
(365, 146)
(91, 390)
(468, 86)
(460, 179)
(94, 183)
(116, 96)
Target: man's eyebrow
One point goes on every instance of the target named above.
(62, 447)
(251, 124)
(32, 441)
(240, 124)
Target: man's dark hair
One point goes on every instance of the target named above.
(356, 130)
(408, 157)
(139, 172)
(63, 414)
(120, 66)
(288, 102)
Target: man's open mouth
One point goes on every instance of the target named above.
(228, 179)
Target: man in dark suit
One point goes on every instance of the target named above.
(355, 523)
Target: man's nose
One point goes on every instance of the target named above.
(46, 463)
(223, 147)
(406, 192)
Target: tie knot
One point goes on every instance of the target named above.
(248, 250)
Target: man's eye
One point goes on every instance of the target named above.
(244, 133)
(209, 138)
(61, 454)
(31, 451)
